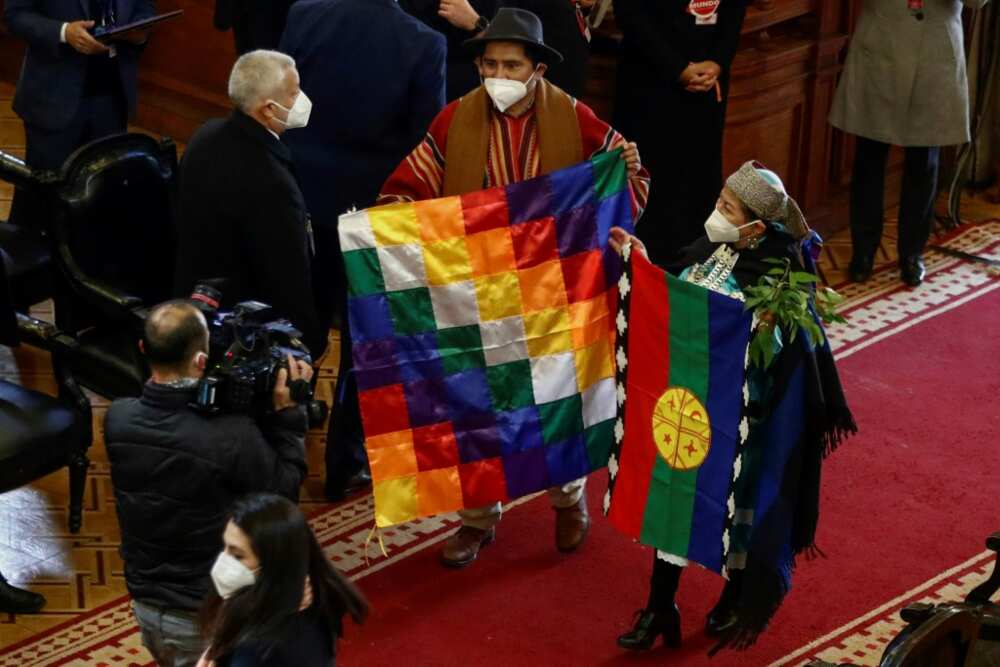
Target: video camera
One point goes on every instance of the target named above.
(246, 350)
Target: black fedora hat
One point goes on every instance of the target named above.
(515, 25)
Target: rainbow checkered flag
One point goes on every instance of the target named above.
(483, 338)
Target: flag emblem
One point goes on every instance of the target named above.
(681, 429)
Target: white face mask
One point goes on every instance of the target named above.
(720, 230)
(505, 93)
(229, 575)
(298, 115)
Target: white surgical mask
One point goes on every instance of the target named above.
(720, 230)
(229, 575)
(505, 93)
(298, 115)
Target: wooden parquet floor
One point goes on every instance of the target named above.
(79, 572)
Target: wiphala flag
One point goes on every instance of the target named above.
(483, 337)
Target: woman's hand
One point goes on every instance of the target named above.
(631, 156)
(619, 238)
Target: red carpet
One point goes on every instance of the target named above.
(907, 505)
(912, 495)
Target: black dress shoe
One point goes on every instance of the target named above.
(719, 621)
(860, 269)
(650, 625)
(358, 481)
(912, 270)
(15, 600)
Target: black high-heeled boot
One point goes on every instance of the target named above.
(723, 615)
(650, 625)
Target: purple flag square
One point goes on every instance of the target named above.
(521, 430)
(468, 393)
(426, 402)
(526, 472)
(369, 317)
(478, 444)
(572, 188)
(567, 460)
(529, 200)
(576, 231)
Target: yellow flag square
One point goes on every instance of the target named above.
(395, 500)
(499, 296)
(395, 224)
(447, 262)
(548, 332)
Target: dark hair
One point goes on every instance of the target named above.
(287, 551)
(173, 333)
(533, 53)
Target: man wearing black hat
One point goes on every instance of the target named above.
(513, 127)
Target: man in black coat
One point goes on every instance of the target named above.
(256, 24)
(673, 83)
(177, 472)
(242, 221)
(72, 88)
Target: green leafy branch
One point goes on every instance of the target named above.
(781, 298)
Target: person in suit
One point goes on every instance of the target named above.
(346, 153)
(904, 83)
(255, 25)
(72, 89)
(460, 20)
(673, 83)
(242, 222)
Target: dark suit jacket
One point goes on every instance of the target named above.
(660, 38)
(376, 80)
(51, 83)
(241, 217)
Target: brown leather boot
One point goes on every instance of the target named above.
(463, 547)
(572, 524)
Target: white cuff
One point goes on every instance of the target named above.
(62, 33)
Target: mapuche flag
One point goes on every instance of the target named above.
(682, 358)
(483, 335)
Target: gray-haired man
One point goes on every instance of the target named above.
(242, 221)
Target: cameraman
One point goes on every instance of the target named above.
(176, 474)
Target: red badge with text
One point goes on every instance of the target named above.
(705, 11)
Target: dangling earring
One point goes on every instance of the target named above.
(753, 243)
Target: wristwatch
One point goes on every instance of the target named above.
(481, 24)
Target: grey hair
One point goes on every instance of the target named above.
(257, 76)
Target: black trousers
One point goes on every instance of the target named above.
(679, 135)
(920, 177)
(98, 115)
(345, 450)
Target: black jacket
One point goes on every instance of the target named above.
(176, 474)
(660, 38)
(308, 644)
(242, 220)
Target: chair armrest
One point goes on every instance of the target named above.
(44, 335)
(115, 303)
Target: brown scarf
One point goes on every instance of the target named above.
(559, 142)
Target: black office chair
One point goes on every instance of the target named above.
(40, 434)
(953, 634)
(114, 247)
(24, 250)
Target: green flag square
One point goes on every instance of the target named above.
(561, 419)
(412, 311)
(510, 385)
(461, 349)
(364, 272)
(599, 440)
(610, 174)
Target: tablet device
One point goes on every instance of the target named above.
(107, 32)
